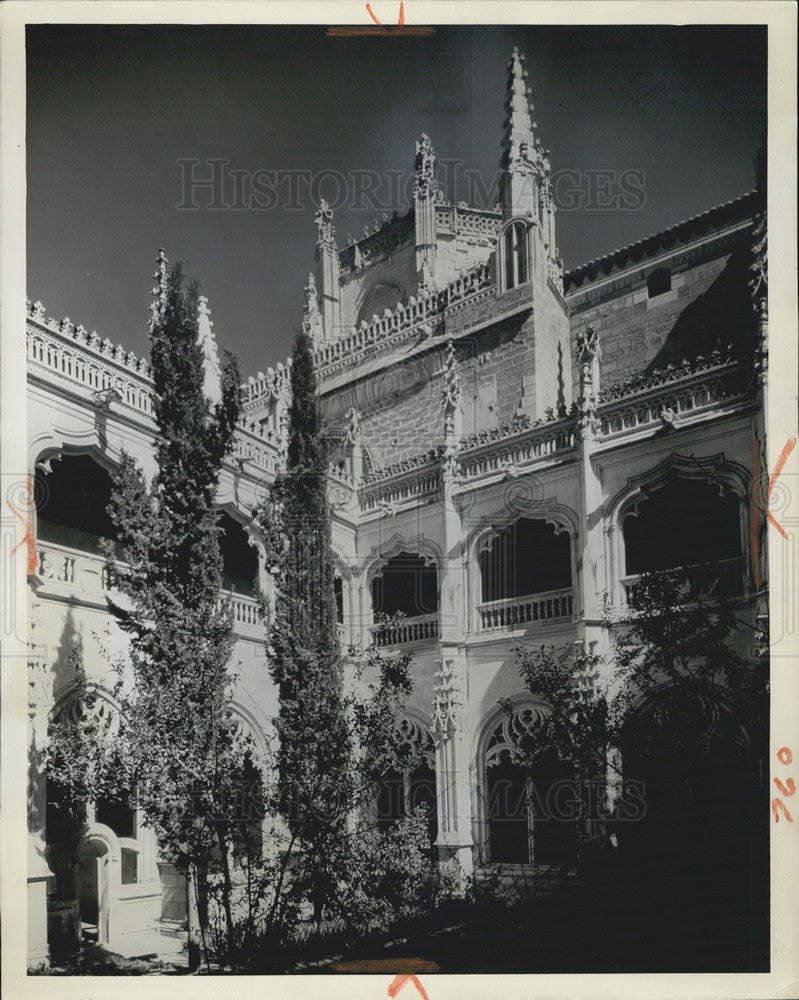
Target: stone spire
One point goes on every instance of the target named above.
(518, 131)
(425, 189)
(212, 383)
(159, 289)
(327, 270)
(524, 181)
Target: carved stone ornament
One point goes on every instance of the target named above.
(451, 389)
(448, 702)
(324, 224)
(352, 429)
(424, 178)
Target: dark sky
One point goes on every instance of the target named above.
(111, 111)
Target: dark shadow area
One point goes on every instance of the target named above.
(239, 558)
(72, 504)
(721, 315)
(528, 557)
(406, 585)
(684, 523)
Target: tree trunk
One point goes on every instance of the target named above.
(231, 944)
(195, 949)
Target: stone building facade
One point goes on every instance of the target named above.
(512, 443)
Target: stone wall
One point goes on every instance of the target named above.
(707, 302)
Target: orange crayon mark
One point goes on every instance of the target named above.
(776, 806)
(400, 19)
(790, 444)
(29, 538)
(786, 790)
(400, 981)
(785, 756)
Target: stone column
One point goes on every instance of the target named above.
(590, 553)
(448, 729)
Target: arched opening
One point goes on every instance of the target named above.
(383, 295)
(526, 575)
(529, 798)
(516, 255)
(406, 585)
(401, 792)
(694, 527)
(72, 502)
(94, 888)
(239, 558)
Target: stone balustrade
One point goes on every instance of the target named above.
(702, 581)
(393, 327)
(420, 628)
(81, 572)
(514, 444)
(667, 396)
(84, 574)
(515, 612)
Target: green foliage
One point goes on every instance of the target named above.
(335, 739)
(579, 728)
(388, 875)
(675, 644)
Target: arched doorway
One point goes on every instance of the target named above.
(528, 803)
(94, 877)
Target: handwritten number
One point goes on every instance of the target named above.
(776, 805)
(788, 789)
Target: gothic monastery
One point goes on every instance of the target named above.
(512, 443)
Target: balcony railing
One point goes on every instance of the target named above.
(80, 571)
(87, 574)
(421, 628)
(703, 581)
(512, 612)
(245, 609)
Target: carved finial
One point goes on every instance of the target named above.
(212, 382)
(324, 225)
(451, 389)
(588, 345)
(312, 319)
(588, 356)
(519, 141)
(352, 430)
(424, 178)
(159, 290)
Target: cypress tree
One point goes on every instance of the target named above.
(315, 751)
(173, 750)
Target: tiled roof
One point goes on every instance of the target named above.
(716, 218)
